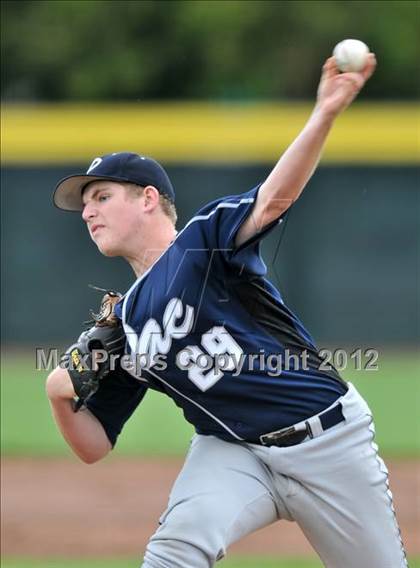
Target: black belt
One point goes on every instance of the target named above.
(294, 435)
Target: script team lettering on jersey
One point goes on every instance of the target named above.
(156, 340)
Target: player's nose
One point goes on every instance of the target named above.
(88, 212)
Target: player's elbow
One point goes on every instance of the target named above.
(275, 198)
(91, 455)
(93, 447)
(89, 459)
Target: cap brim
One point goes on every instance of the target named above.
(68, 192)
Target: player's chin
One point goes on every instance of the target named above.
(108, 249)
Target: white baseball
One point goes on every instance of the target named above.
(351, 55)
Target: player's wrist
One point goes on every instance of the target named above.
(59, 386)
(324, 113)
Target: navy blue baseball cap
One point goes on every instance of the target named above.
(120, 167)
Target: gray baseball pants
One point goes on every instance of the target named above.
(335, 486)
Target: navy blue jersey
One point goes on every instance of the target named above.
(211, 332)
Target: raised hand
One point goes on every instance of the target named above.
(337, 90)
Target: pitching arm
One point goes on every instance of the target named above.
(294, 169)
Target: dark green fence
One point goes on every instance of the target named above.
(346, 260)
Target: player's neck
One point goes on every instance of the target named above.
(149, 251)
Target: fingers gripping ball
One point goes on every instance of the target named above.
(89, 360)
(351, 55)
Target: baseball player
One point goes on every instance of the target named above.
(291, 441)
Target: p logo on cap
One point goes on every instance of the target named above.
(94, 164)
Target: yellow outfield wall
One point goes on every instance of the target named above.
(367, 133)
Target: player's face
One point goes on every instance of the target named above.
(113, 217)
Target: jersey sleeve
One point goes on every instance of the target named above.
(220, 222)
(115, 401)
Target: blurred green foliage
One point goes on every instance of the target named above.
(217, 49)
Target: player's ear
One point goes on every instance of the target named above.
(151, 197)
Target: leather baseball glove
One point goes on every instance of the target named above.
(93, 355)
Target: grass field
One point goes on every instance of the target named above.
(158, 428)
(236, 562)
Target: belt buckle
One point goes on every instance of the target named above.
(277, 435)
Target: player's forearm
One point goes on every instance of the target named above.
(295, 167)
(292, 172)
(289, 176)
(81, 430)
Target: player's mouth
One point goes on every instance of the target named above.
(94, 228)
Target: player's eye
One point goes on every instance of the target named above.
(103, 197)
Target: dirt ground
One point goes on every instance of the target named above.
(63, 508)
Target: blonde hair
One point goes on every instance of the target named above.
(165, 203)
